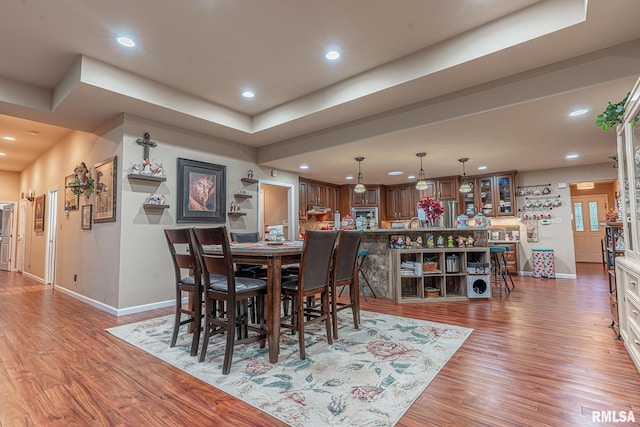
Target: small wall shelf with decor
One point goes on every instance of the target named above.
(142, 177)
(249, 181)
(154, 206)
(236, 214)
(241, 196)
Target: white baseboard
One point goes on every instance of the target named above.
(31, 276)
(117, 311)
(558, 275)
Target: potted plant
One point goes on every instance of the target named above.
(613, 115)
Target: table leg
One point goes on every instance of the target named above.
(274, 279)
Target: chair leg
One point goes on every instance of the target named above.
(209, 307)
(197, 322)
(300, 324)
(334, 310)
(326, 311)
(355, 305)
(228, 350)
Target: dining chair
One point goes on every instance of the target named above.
(248, 270)
(314, 279)
(345, 274)
(183, 254)
(227, 296)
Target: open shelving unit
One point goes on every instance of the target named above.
(413, 283)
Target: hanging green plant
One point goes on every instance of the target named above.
(613, 115)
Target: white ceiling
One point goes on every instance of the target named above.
(492, 80)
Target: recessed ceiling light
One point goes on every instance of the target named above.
(578, 112)
(248, 93)
(126, 41)
(571, 156)
(304, 166)
(9, 138)
(394, 173)
(411, 177)
(481, 168)
(2, 154)
(349, 177)
(332, 55)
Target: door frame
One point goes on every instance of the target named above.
(52, 240)
(600, 229)
(13, 227)
(291, 215)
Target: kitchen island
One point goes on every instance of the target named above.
(381, 271)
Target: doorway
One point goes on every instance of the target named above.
(52, 221)
(6, 236)
(275, 207)
(590, 202)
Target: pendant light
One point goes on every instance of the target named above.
(422, 180)
(465, 186)
(359, 188)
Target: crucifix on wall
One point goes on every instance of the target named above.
(146, 142)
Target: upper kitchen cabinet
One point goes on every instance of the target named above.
(370, 198)
(448, 188)
(400, 201)
(493, 195)
(316, 193)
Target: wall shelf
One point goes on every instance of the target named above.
(249, 181)
(242, 196)
(236, 214)
(154, 206)
(141, 177)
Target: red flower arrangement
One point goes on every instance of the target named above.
(432, 209)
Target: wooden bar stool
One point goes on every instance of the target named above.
(499, 265)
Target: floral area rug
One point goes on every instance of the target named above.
(369, 376)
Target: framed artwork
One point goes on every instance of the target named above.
(85, 220)
(532, 231)
(38, 216)
(201, 192)
(104, 199)
(71, 200)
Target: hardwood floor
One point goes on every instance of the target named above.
(542, 355)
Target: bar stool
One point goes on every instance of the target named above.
(500, 270)
(362, 254)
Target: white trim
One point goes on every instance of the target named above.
(118, 311)
(558, 275)
(31, 276)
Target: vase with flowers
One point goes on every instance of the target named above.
(432, 211)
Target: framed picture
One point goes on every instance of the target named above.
(71, 200)
(38, 216)
(201, 192)
(105, 191)
(85, 220)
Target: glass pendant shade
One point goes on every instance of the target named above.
(422, 180)
(465, 186)
(359, 188)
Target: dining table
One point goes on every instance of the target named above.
(273, 255)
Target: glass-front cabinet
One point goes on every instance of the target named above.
(629, 174)
(492, 195)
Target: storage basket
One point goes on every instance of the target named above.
(432, 292)
(429, 265)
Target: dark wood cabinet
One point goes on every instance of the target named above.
(431, 191)
(370, 198)
(400, 201)
(448, 188)
(316, 193)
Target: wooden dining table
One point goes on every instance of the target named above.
(273, 256)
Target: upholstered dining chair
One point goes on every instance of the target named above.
(247, 270)
(314, 279)
(226, 296)
(345, 274)
(183, 254)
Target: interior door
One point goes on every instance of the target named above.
(587, 232)
(52, 225)
(22, 214)
(7, 234)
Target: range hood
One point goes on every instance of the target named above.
(317, 210)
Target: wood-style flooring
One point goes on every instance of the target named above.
(540, 356)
